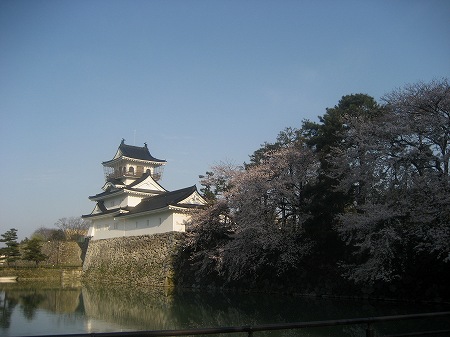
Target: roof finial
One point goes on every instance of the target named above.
(145, 144)
(123, 141)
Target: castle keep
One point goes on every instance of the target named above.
(133, 202)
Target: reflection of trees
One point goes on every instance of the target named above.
(159, 309)
(35, 296)
(212, 309)
(29, 304)
(7, 306)
(142, 308)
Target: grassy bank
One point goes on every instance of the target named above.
(40, 273)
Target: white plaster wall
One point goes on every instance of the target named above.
(122, 201)
(178, 222)
(100, 228)
(157, 223)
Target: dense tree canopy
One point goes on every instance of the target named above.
(48, 234)
(360, 199)
(255, 226)
(396, 172)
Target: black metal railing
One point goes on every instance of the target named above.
(250, 330)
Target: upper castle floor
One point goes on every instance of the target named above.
(131, 162)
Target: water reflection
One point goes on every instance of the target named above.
(36, 308)
(160, 308)
(7, 306)
(138, 309)
(32, 309)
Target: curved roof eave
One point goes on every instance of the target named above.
(105, 195)
(153, 161)
(176, 208)
(134, 153)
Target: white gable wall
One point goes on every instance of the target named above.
(194, 198)
(149, 184)
(132, 200)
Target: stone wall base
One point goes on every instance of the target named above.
(140, 260)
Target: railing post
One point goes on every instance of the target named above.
(250, 331)
(370, 332)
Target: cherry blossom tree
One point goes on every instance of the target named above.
(218, 181)
(395, 167)
(269, 204)
(208, 231)
(255, 226)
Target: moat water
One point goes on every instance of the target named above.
(31, 309)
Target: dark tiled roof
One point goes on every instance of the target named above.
(163, 200)
(106, 211)
(101, 206)
(115, 181)
(100, 194)
(127, 187)
(137, 152)
(160, 201)
(103, 194)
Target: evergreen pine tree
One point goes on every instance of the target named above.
(11, 251)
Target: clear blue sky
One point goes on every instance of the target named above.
(200, 81)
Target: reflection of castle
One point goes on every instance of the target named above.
(133, 202)
(146, 308)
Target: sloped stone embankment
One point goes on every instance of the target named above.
(139, 260)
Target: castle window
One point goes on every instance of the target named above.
(131, 170)
(148, 223)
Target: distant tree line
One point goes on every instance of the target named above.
(357, 202)
(68, 229)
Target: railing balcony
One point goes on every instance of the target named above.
(132, 172)
(115, 175)
(252, 331)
